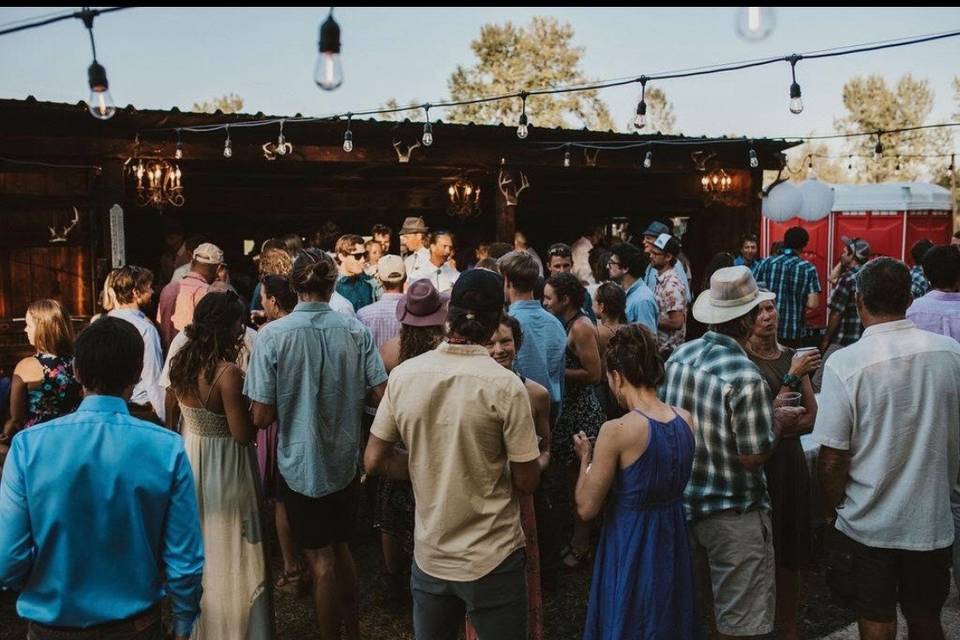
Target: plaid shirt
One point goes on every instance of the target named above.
(791, 279)
(918, 283)
(843, 300)
(713, 379)
(381, 318)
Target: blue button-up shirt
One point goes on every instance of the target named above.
(96, 508)
(148, 390)
(315, 366)
(541, 354)
(642, 306)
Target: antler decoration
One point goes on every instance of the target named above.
(591, 160)
(511, 194)
(701, 158)
(404, 156)
(62, 236)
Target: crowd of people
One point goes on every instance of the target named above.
(483, 411)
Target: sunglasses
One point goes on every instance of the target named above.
(360, 255)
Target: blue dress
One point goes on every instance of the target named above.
(642, 587)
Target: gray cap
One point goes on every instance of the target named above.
(656, 228)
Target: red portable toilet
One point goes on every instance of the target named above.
(891, 216)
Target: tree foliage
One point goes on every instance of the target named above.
(872, 106)
(409, 114)
(230, 103)
(815, 154)
(512, 59)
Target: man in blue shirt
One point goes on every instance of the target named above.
(98, 509)
(794, 281)
(626, 266)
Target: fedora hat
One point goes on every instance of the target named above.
(414, 225)
(733, 292)
(422, 305)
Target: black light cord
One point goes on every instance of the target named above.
(85, 14)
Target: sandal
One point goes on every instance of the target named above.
(573, 559)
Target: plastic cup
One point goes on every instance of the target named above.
(802, 351)
(790, 399)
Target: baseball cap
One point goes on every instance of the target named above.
(857, 246)
(478, 290)
(208, 253)
(656, 229)
(668, 244)
(390, 269)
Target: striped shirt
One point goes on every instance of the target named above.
(381, 318)
(843, 301)
(713, 379)
(791, 279)
(918, 282)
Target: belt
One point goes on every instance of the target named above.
(137, 622)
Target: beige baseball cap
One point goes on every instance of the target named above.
(208, 253)
(390, 269)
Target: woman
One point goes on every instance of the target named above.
(421, 312)
(503, 347)
(274, 260)
(277, 299)
(610, 306)
(788, 479)
(563, 296)
(217, 434)
(642, 583)
(43, 385)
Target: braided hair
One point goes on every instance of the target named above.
(212, 339)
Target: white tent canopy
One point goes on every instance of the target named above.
(891, 196)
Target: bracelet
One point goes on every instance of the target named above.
(791, 381)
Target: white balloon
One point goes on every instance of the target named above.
(817, 200)
(782, 203)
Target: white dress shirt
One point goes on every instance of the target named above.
(148, 389)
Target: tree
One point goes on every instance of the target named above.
(660, 116)
(230, 103)
(826, 169)
(511, 59)
(872, 106)
(410, 114)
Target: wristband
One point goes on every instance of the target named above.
(791, 381)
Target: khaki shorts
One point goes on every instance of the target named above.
(739, 549)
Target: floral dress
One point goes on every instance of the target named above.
(581, 410)
(58, 393)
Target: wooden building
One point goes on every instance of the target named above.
(56, 160)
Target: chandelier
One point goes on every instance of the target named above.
(158, 183)
(716, 182)
(464, 199)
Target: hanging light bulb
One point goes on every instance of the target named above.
(427, 129)
(898, 163)
(850, 163)
(227, 149)
(101, 103)
(640, 121)
(178, 154)
(754, 161)
(878, 149)
(755, 23)
(796, 102)
(328, 73)
(522, 123)
(648, 160)
(566, 158)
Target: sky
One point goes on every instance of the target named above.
(163, 57)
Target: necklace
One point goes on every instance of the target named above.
(770, 355)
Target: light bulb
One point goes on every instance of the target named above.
(754, 161)
(641, 120)
(796, 102)
(427, 134)
(648, 160)
(452, 191)
(178, 154)
(849, 163)
(227, 149)
(566, 158)
(281, 146)
(878, 151)
(522, 125)
(898, 163)
(348, 141)
(100, 103)
(328, 73)
(755, 23)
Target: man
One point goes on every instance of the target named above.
(180, 297)
(192, 241)
(381, 316)
(626, 266)
(560, 260)
(669, 293)
(98, 510)
(412, 236)
(541, 356)
(353, 283)
(311, 371)
(325, 238)
(520, 244)
(843, 325)
(749, 248)
(887, 429)
(654, 231)
(581, 253)
(133, 288)
(381, 233)
(435, 268)
(918, 283)
(794, 282)
(726, 497)
(470, 447)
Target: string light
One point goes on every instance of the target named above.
(566, 158)
(283, 147)
(878, 150)
(898, 163)
(100, 103)
(227, 149)
(648, 160)
(178, 154)
(328, 72)
(348, 136)
(796, 102)
(850, 163)
(641, 120)
(755, 23)
(522, 123)
(754, 161)
(427, 128)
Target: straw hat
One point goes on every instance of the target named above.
(733, 293)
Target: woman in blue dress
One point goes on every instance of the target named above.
(642, 584)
